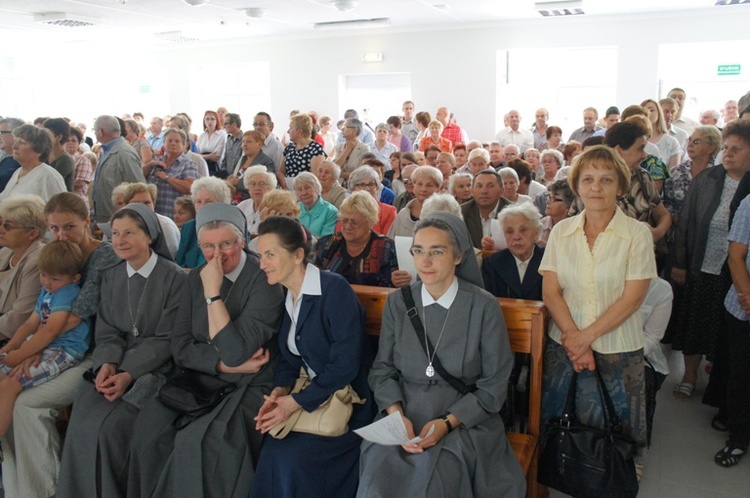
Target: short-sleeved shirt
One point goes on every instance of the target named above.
(297, 161)
(592, 281)
(181, 168)
(739, 233)
(717, 245)
(76, 341)
(657, 169)
(84, 173)
(677, 185)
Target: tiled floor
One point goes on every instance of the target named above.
(680, 461)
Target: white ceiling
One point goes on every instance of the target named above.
(224, 19)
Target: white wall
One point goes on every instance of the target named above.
(450, 67)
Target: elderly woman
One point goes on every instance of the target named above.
(464, 436)
(510, 186)
(426, 181)
(258, 181)
(348, 155)
(702, 147)
(557, 205)
(434, 138)
(277, 203)
(357, 251)
(316, 214)
(401, 141)
(669, 148)
(31, 450)
(552, 160)
(554, 139)
(205, 191)
(366, 179)
(446, 163)
(479, 160)
(228, 315)
(322, 334)
(22, 229)
(700, 251)
(212, 142)
(532, 156)
(140, 145)
(252, 155)
(59, 158)
(173, 173)
(184, 210)
(382, 148)
(514, 272)
(327, 173)
(603, 253)
(134, 324)
(303, 154)
(31, 149)
(459, 186)
(145, 193)
(84, 173)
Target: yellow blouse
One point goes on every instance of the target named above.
(592, 281)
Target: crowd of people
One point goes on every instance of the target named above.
(143, 254)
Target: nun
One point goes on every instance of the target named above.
(225, 327)
(461, 343)
(140, 297)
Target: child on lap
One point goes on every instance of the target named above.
(60, 264)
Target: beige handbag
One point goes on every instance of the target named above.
(330, 419)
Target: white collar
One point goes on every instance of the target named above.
(311, 282)
(144, 270)
(232, 275)
(445, 300)
(519, 262)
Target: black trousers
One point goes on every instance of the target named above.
(738, 385)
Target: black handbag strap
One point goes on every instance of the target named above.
(413, 314)
(610, 415)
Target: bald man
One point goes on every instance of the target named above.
(451, 130)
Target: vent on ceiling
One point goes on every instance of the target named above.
(723, 3)
(560, 8)
(63, 19)
(175, 37)
(380, 22)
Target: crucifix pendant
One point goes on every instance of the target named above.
(429, 371)
(135, 331)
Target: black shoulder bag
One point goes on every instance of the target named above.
(411, 311)
(587, 462)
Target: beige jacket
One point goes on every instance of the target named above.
(19, 288)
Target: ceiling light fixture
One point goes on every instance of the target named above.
(560, 8)
(380, 22)
(65, 20)
(195, 3)
(724, 3)
(344, 5)
(254, 12)
(175, 37)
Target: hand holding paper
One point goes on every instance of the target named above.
(389, 431)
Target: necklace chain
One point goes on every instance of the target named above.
(134, 328)
(430, 370)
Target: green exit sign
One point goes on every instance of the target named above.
(728, 69)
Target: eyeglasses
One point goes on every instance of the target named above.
(7, 227)
(350, 222)
(369, 186)
(418, 252)
(406, 180)
(257, 184)
(695, 141)
(225, 246)
(351, 127)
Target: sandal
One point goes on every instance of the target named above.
(729, 456)
(719, 423)
(683, 390)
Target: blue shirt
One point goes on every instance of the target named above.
(156, 141)
(76, 341)
(7, 167)
(739, 233)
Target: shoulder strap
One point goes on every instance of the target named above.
(413, 314)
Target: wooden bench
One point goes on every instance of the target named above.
(527, 323)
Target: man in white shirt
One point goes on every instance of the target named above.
(271, 145)
(680, 121)
(539, 130)
(408, 124)
(710, 117)
(670, 107)
(590, 116)
(514, 134)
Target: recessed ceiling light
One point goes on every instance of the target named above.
(65, 20)
(255, 12)
(195, 3)
(380, 22)
(344, 5)
(442, 6)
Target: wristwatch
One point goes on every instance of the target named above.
(447, 422)
(212, 299)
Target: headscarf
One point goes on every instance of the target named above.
(468, 269)
(222, 212)
(158, 242)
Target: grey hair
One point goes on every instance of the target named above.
(454, 177)
(525, 209)
(363, 173)
(27, 210)
(108, 124)
(481, 152)
(712, 135)
(259, 170)
(554, 153)
(355, 122)
(508, 173)
(119, 190)
(216, 186)
(430, 172)
(513, 146)
(561, 188)
(563, 172)
(382, 126)
(12, 123)
(441, 202)
(307, 177)
(215, 225)
(335, 167)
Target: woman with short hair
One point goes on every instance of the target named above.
(557, 205)
(510, 186)
(302, 154)
(59, 158)
(382, 148)
(252, 155)
(479, 160)
(84, 172)
(31, 149)
(570, 151)
(554, 139)
(426, 181)
(173, 173)
(434, 138)
(366, 179)
(258, 181)
(141, 146)
(397, 138)
(328, 173)
(316, 214)
(459, 186)
(552, 160)
(212, 142)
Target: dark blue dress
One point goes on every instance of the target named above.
(330, 338)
